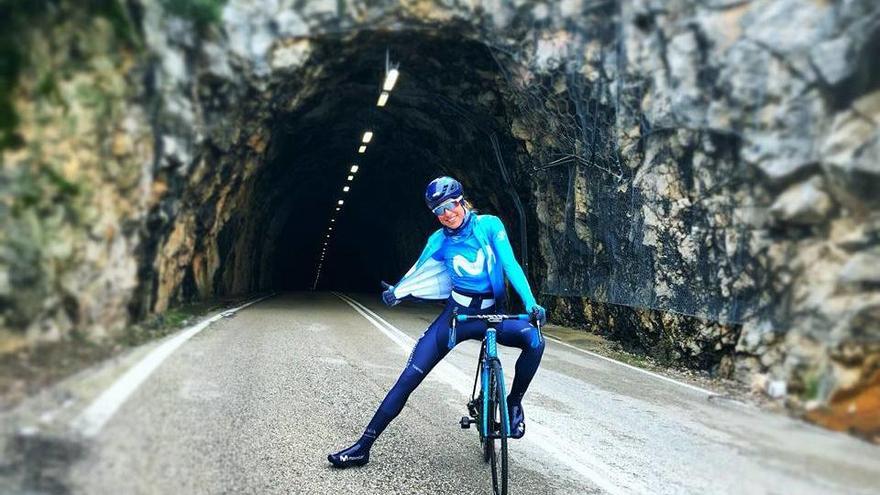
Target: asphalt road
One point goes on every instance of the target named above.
(253, 404)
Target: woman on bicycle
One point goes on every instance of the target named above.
(465, 263)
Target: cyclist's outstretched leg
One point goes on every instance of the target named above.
(428, 351)
(521, 334)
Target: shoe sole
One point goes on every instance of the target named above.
(347, 464)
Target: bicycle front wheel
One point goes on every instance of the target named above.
(497, 430)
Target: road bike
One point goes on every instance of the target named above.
(488, 408)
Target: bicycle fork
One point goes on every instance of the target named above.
(491, 358)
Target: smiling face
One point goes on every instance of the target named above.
(452, 218)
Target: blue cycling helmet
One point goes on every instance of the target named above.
(442, 189)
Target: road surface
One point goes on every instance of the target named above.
(253, 403)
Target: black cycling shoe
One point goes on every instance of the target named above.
(517, 421)
(356, 455)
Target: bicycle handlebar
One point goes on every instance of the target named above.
(463, 318)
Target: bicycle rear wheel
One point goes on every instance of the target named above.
(497, 417)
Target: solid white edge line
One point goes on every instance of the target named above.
(90, 422)
(599, 474)
(635, 368)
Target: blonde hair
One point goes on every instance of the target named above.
(468, 206)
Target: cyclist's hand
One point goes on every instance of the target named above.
(388, 296)
(539, 314)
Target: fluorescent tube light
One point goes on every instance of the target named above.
(390, 79)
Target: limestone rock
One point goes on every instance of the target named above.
(851, 152)
(862, 268)
(290, 56)
(805, 203)
(834, 59)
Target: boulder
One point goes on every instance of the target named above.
(805, 203)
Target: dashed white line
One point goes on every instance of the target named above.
(94, 417)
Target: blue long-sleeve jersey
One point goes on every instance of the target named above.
(475, 257)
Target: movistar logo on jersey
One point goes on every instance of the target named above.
(461, 263)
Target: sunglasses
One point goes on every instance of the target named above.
(446, 205)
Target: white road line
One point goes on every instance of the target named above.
(444, 372)
(634, 368)
(544, 437)
(93, 418)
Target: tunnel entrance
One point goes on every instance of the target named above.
(438, 121)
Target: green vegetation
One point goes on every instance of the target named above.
(162, 324)
(202, 12)
(19, 19)
(39, 187)
(811, 385)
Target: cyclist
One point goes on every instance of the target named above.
(465, 263)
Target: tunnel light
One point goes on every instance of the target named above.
(383, 99)
(340, 202)
(390, 79)
(337, 208)
(368, 136)
(350, 177)
(362, 149)
(345, 189)
(354, 169)
(329, 228)
(332, 219)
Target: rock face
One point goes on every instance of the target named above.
(700, 178)
(74, 181)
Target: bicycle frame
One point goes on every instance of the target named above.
(492, 395)
(488, 355)
(490, 346)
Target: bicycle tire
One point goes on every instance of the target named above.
(497, 430)
(485, 444)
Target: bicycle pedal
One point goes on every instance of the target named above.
(466, 422)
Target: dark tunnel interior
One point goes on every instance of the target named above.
(445, 105)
